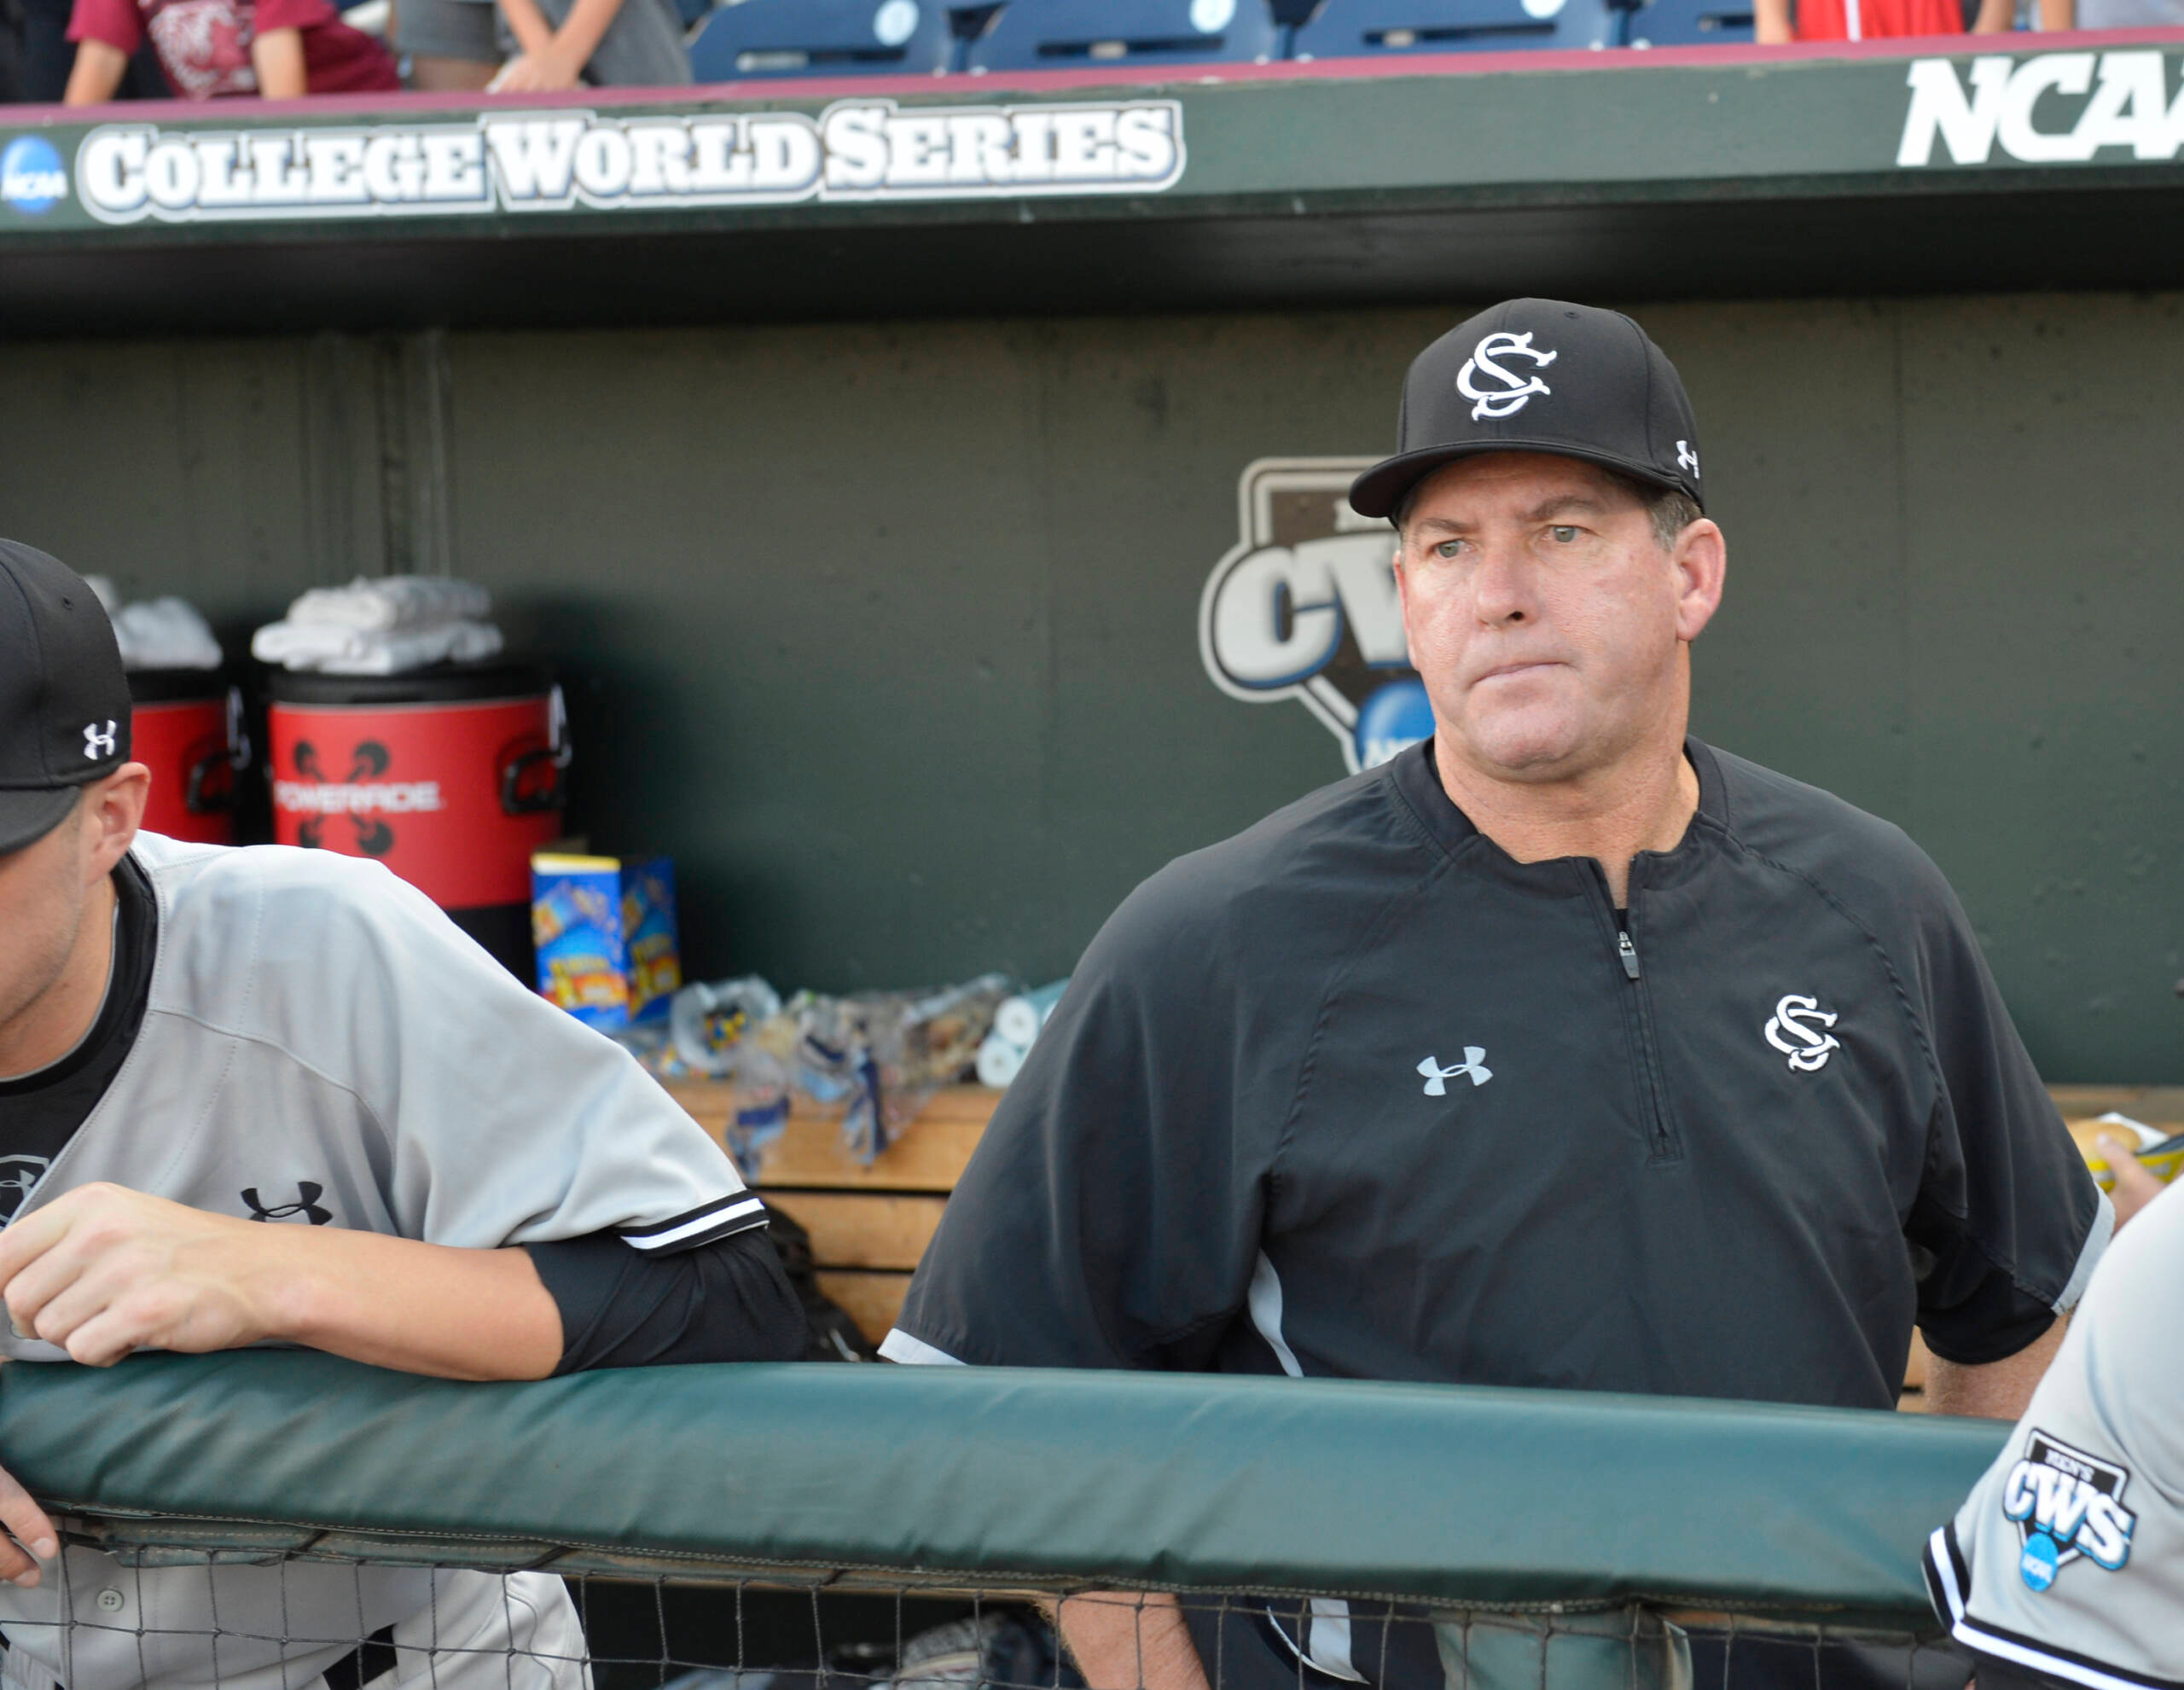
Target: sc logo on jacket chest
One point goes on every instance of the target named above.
(1797, 1029)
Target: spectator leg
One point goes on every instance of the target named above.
(642, 48)
(451, 45)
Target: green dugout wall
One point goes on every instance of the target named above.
(887, 626)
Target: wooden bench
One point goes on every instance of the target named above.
(869, 1226)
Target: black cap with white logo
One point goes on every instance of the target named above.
(64, 698)
(1540, 375)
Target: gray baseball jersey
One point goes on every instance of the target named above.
(322, 1047)
(2068, 1559)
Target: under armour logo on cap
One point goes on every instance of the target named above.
(99, 741)
(1513, 395)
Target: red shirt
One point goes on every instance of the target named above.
(1871, 20)
(204, 45)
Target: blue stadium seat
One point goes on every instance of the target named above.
(1051, 35)
(1690, 23)
(821, 37)
(1350, 29)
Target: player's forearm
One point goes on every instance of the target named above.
(1994, 1391)
(1772, 22)
(103, 1270)
(1122, 1641)
(417, 1307)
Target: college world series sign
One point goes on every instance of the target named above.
(554, 161)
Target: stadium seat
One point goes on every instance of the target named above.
(1048, 35)
(821, 37)
(1690, 23)
(1352, 29)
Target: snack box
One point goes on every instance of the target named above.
(604, 927)
(2159, 1153)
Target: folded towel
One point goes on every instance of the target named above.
(165, 633)
(383, 603)
(333, 650)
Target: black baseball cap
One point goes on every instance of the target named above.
(64, 697)
(1540, 375)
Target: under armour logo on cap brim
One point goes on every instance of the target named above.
(64, 696)
(1540, 375)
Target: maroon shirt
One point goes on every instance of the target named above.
(204, 45)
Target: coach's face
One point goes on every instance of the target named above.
(1548, 622)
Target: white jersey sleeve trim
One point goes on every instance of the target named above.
(2097, 1241)
(738, 1212)
(2004, 1647)
(1944, 1578)
(899, 1346)
(1948, 1583)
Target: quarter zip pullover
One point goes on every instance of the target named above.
(1357, 1093)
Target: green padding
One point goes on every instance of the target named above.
(1442, 1493)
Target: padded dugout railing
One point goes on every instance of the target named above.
(1441, 1493)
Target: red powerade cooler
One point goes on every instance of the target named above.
(186, 727)
(452, 776)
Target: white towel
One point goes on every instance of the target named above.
(165, 633)
(383, 603)
(354, 651)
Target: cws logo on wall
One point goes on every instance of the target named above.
(1304, 607)
(863, 150)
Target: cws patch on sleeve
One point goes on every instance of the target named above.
(2068, 1558)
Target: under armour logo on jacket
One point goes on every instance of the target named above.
(1437, 1078)
(308, 1192)
(1806, 1047)
(1513, 395)
(99, 741)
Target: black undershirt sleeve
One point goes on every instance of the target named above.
(727, 1301)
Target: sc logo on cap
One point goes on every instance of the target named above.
(32, 179)
(1511, 395)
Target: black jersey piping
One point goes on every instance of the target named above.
(738, 1212)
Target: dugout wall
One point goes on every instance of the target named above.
(886, 625)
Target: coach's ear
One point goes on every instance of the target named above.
(1700, 558)
(113, 809)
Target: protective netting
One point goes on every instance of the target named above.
(136, 1602)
